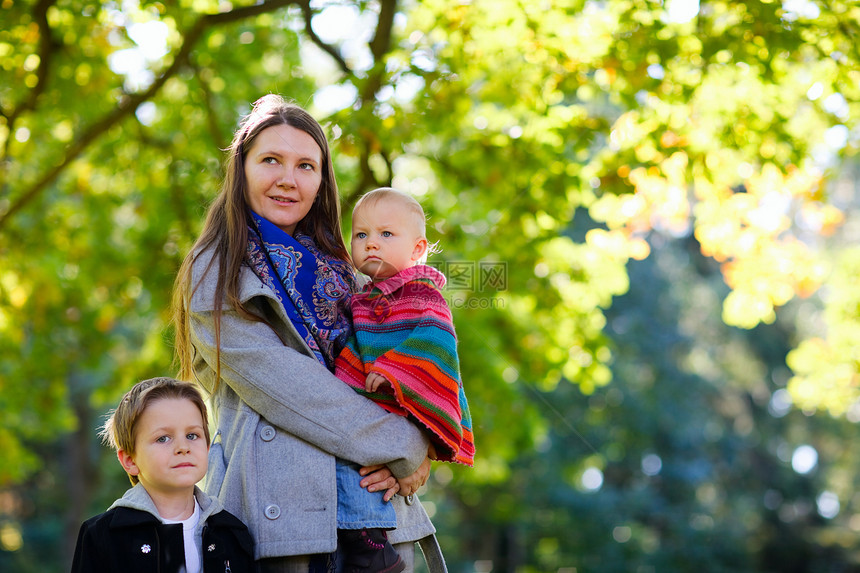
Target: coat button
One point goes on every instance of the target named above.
(273, 511)
(410, 499)
(267, 433)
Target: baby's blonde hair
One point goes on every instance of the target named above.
(382, 193)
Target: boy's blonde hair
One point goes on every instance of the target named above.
(382, 193)
(120, 428)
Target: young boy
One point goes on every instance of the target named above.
(164, 523)
(403, 354)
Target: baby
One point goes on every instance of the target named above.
(404, 351)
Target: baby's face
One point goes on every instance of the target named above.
(386, 238)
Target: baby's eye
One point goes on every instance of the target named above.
(192, 436)
(360, 235)
(387, 234)
(162, 439)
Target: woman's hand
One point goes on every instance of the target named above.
(411, 484)
(379, 477)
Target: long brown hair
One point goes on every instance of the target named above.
(226, 227)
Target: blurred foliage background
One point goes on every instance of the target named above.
(647, 210)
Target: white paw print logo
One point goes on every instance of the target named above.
(145, 548)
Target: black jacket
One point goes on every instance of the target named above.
(129, 539)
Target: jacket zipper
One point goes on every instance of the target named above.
(158, 550)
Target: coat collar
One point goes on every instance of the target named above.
(204, 278)
(138, 499)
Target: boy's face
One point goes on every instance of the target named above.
(386, 239)
(170, 447)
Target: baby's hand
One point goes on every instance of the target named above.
(376, 383)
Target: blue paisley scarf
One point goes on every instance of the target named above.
(313, 287)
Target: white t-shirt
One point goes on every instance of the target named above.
(192, 552)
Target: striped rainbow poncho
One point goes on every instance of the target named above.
(404, 332)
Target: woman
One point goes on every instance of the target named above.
(258, 313)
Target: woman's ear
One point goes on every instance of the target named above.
(420, 249)
(127, 463)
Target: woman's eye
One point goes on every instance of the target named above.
(306, 166)
(270, 160)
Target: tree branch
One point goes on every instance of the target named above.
(47, 46)
(381, 42)
(308, 13)
(366, 181)
(211, 117)
(379, 47)
(130, 103)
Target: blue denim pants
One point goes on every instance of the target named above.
(358, 508)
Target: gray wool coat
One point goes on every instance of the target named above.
(280, 418)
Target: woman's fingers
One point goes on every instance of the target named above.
(366, 470)
(377, 478)
(391, 491)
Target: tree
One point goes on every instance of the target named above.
(504, 117)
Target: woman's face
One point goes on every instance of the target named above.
(283, 172)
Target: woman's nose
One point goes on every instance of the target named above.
(287, 178)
